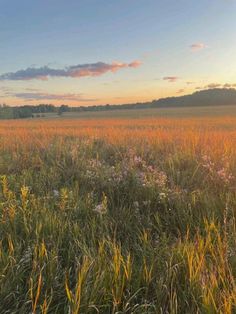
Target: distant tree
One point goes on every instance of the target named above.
(62, 109)
(6, 112)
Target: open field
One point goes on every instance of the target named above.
(177, 112)
(119, 215)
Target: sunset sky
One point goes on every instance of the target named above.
(87, 52)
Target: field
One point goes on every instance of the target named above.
(174, 112)
(119, 213)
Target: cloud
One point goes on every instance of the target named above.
(135, 64)
(31, 89)
(180, 91)
(171, 79)
(213, 85)
(227, 85)
(197, 46)
(5, 89)
(216, 85)
(46, 96)
(74, 71)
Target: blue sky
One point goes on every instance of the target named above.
(94, 52)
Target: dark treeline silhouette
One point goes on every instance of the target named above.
(19, 112)
(210, 97)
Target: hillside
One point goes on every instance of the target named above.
(210, 97)
(217, 96)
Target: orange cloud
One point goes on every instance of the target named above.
(171, 79)
(135, 64)
(75, 71)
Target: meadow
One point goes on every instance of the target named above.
(117, 214)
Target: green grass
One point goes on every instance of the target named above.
(94, 227)
(181, 112)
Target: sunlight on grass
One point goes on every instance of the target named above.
(118, 216)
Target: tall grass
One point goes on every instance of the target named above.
(118, 216)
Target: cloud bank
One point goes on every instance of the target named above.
(47, 96)
(74, 71)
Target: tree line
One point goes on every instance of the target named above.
(20, 112)
(30, 111)
(210, 97)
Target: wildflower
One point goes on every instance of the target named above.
(56, 193)
(162, 195)
(94, 163)
(136, 204)
(138, 161)
(150, 168)
(141, 176)
(100, 208)
(208, 163)
(146, 203)
(161, 179)
(224, 175)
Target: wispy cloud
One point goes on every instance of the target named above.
(5, 89)
(134, 64)
(180, 91)
(197, 46)
(47, 96)
(74, 71)
(227, 85)
(213, 85)
(171, 79)
(216, 85)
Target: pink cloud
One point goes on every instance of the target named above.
(34, 96)
(171, 79)
(197, 46)
(75, 71)
(135, 64)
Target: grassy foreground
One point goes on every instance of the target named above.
(118, 216)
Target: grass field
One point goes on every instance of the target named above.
(180, 112)
(119, 215)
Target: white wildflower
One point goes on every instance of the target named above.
(101, 209)
(162, 195)
(136, 204)
(56, 193)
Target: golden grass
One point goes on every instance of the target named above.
(89, 224)
(212, 134)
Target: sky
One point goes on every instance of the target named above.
(90, 52)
